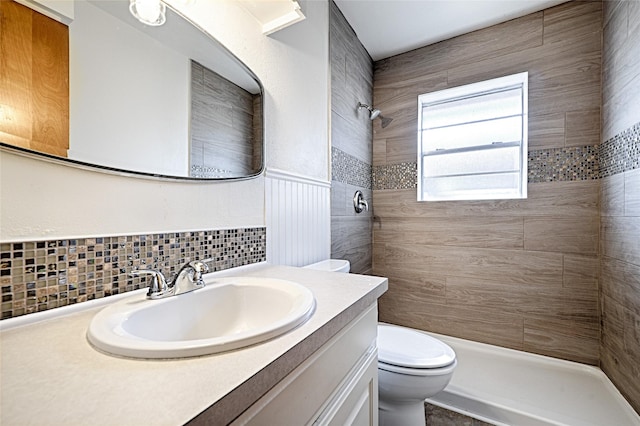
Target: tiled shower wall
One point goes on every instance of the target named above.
(620, 198)
(516, 273)
(40, 275)
(351, 134)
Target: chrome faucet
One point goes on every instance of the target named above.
(188, 278)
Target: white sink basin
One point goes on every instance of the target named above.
(229, 313)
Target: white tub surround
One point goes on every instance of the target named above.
(51, 375)
(508, 387)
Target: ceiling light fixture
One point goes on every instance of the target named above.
(149, 12)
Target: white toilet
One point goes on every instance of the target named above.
(412, 366)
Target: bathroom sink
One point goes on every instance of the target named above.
(229, 313)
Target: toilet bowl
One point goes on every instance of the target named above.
(412, 366)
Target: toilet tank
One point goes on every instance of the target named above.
(331, 265)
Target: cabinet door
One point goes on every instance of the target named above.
(306, 393)
(357, 402)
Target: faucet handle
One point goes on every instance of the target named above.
(200, 265)
(199, 268)
(359, 203)
(158, 287)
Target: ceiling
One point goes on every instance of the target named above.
(390, 27)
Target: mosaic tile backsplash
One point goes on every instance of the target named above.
(40, 275)
(616, 155)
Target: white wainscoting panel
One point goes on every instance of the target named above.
(298, 216)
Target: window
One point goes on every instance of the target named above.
(472, 141)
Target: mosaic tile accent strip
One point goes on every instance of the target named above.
(208, 172)
(545, 165)
(346, 168)
(621, 153)
(563, 164)
(41, 275)
(616, 155)
(396, 176)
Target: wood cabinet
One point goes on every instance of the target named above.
(34, 80)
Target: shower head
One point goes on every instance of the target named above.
(375, 113)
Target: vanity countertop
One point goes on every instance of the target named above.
(50, 375)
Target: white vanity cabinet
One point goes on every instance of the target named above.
(337, 385)
(323, 372)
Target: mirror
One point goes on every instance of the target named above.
(166, 101)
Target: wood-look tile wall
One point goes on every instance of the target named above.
(351, 135)
(620, 206)
(516, 273)
(34, 80)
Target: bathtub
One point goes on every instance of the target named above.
(507, 387)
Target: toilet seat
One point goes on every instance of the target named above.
(408, 351)
(408, 371)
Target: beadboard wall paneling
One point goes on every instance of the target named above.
(298, 219)
(516, 273)
(351, 135)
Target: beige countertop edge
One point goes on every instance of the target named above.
(49, 374)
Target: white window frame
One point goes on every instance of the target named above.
(509, 82)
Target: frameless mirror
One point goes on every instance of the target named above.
(166, 101)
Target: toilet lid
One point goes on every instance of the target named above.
(405, 347)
